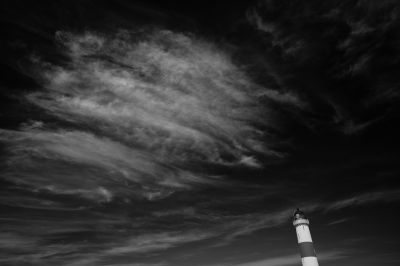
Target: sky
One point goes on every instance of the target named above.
(149, 133)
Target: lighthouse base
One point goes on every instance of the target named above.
(309, 261)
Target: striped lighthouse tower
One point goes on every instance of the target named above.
(300, 222)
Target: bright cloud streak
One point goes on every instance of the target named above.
(179, 97)
(159, 100)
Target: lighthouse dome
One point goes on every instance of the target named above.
(297, 214)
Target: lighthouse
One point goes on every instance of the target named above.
(300, 222)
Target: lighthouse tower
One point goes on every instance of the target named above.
(300, 222)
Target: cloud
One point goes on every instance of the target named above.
(146, 243)
(342, 58)
(278, 261)
(339, 221)
(365, 198)
(99, 194)
(136, 264)
(247, 224)
(350, 127)
(139, 109)
(175, 95)
(289, 98)
(289, 260)
(83, 164)
(14, 241)
(89, 241)
(27, 248)
(135, 111)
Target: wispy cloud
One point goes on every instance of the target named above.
(109, 248)
(156, 241)
(140, 109)
(288, 260)
(295, 40)
(247, 224)
(177, 96)
(83, 164)
(339, 221)
(365, 198)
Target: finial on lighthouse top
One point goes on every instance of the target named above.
(299, 218)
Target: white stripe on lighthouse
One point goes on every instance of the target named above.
(303, 233)
(310, 261)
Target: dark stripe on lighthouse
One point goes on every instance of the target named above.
(307, 249)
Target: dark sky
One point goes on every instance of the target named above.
(173, 133)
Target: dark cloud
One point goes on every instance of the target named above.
(345, 50)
